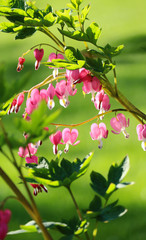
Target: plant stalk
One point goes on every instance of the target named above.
(77, 209)
(110, 90)
(20, 197)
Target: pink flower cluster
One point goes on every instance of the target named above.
(15, 105)
(5, 216)
(66, 88)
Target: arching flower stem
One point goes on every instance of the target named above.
(89, 120)
(40, 44)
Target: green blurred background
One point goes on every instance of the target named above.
(122, 22)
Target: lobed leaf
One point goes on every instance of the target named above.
(99, 183)
(25, 32)
(63, 174)
(117, 173)
(112, 51)
(84, 13)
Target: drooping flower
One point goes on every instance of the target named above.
(141, 132)
(55, 56)
(119, 123)
(91, 86)
(55, 138)
(5, 216)
(101, 102)
(25, 152)
(38, 54)
(69, 137)
(51, 93)
(72, 76)
(63, 90)
(20, 66)
(15, 106)
(98, 132)
(37, 187)
(84, 75)
(44, 95)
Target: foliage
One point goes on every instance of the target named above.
(24, 19)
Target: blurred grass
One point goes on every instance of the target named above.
(122, 22)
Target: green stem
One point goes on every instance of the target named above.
(89, 120)
(110, 90)
(53, 37)
(77, 209)
(115, 82)
(32, 210)
(20, 197)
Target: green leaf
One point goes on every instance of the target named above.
(77, 35)
(111, 213)
(112, 51)
(30, 12)
(65, 16)
(7, 27)
(63, 174)
(123, 185)
(32, 22)
(117, 173)
(12, 3)
(95, 204)
(49, 20)
(61, 63)
(99, 183)
(6, 11)
(25, 32)
(76, 3)
(73, 54)
(48, 9)
(84, 13)
(33, 227)
(100, 66)
(93, 32)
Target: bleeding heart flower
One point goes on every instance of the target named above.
(38, 54)
(101, 102)
(69, 137)
(25, 152)
(119, 123)
(91, 86)
(98, 132)
(56, 139)
(20, 64)
(15, 106)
